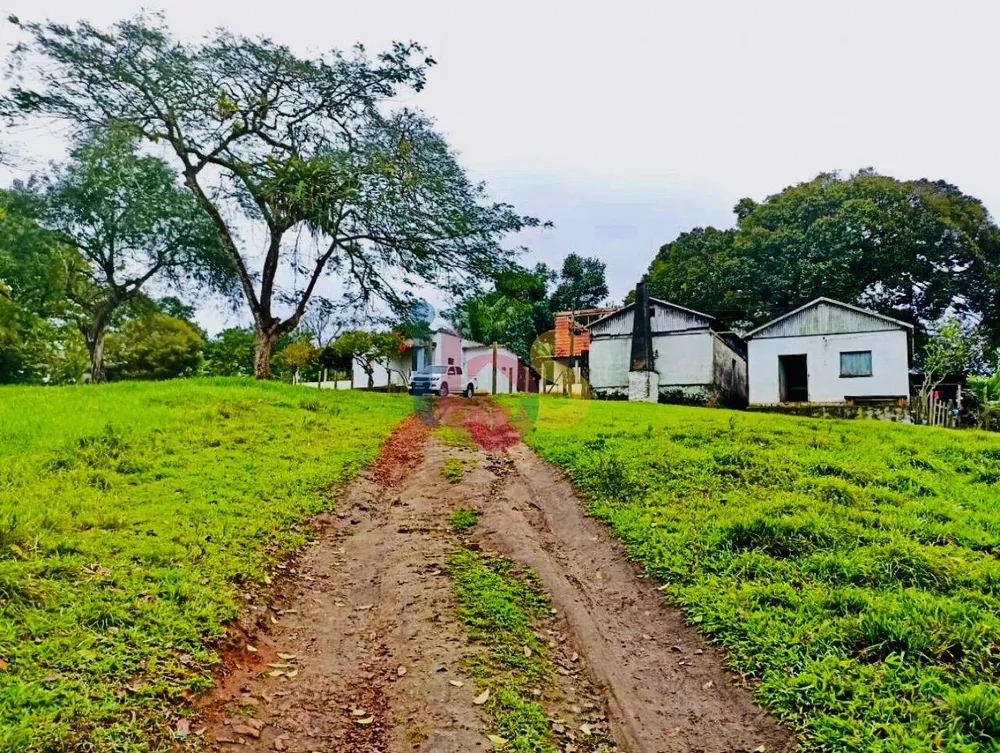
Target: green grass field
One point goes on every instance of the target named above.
(851, 566)
(133, 519)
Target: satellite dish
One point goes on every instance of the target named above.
(421, 311)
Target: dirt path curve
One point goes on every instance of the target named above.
(361, 651)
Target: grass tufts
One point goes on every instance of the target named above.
(133, 518)
(977, 712)
(454, 469)
(849, 565)
(498, 604)
(463, 519)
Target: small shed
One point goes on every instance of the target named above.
(695, 357)
(829, 352)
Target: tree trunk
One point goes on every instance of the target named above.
(95, 346)
(262, 353)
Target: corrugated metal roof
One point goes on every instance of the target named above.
(585, 316)
(667, 317)
(825, 316)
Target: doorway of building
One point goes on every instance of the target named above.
(793, 379)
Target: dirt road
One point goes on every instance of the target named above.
(362, 652)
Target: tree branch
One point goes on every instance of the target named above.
(225, 237)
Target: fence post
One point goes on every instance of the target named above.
(494, 367)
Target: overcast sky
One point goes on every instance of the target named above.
(625, 123)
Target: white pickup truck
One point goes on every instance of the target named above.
(441, 380)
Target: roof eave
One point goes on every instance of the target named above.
(662, 302)
(823, 299)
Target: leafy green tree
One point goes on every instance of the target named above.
(35, 265)
(334, 360)
(985, 392)
(297, 355)
(917, 250)
(230, 353)
(131, 222)
(154, 346)
(10, 335)
(582, 284)
(950, 348)
(519, 308)
(54, 352)
(35, 269)
(173, 306)
(368, 349)
(530, 286)
(495, 317)
(308, 148)
(702, 270)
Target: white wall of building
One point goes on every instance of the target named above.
(684, 359)
(890, 365)
(340, 384)
(479, 368)
(380, 374)
(609, 363)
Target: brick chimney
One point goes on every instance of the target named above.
(642, 338)
(643, 381)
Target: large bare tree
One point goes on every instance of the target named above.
(311, 149)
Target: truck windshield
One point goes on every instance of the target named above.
(433, 370)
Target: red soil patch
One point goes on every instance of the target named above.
(491, 430)
(402, 452)
(238, 665)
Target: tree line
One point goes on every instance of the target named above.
(520, 304)
(920, 251)
(234, 166)
(74, 307)
(237, 166)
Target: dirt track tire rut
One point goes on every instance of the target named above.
(369, 617)
(667, 690)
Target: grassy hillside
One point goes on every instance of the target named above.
(850, 565)
(132, 519)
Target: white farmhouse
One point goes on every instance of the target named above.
(442, 347)
(829, 352)
(445, 347)
(694, 356)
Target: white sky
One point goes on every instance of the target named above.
(625, 123)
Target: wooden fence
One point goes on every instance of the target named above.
(934, 412)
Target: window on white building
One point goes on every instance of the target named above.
(856, 363)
